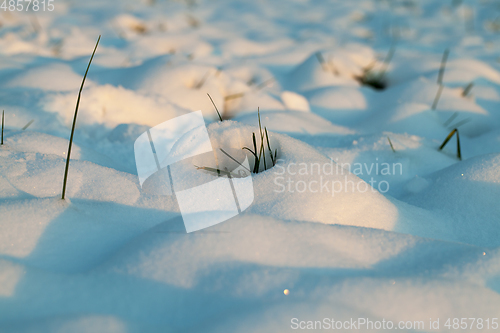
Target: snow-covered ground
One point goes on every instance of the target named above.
(411, 234)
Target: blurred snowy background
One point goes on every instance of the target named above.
(114, 259)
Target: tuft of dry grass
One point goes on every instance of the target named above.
(260, 153)
(377, 78)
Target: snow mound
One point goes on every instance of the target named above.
(293, 122)
(111, 106)
(333, 68)
(341, 105)
(406, 108)
(294, 101)
(44, 144)
(48, 77)
(305, 185)
(47, 232)
(466, 193)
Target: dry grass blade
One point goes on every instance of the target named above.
(256, 158)
(387, 60)
(321, 61)
(442, 68)
(28, 124)
(261, 152)
(215, 106)
(216, 171)
(225, 153)
(3, 123)
(390, 143)
(467, 89)
(264, 84)
(269, 147)
(227, 173)
(453, 116)
(326, 66)
(254, 153)
(448, 138)
(202, 81)
(462, 122)
(436, 99)
(450, 135)
(65, 180)
(234, 96)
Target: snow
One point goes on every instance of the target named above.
(453, 189)
(361, 217)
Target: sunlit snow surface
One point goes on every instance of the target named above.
(112, 258)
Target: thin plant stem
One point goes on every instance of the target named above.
(269, 147)
(3, 124)
(436, 99)
(215, 106)
(440, 78)
(467, 89)
(390, 143)
(453, 116)
(462, 122)
(448, 138)
(28, 124)
(387, 60)
(234, 96)
(321, 61)
(65, 180)
(234, 159)
(262, 152)
(443, 66)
